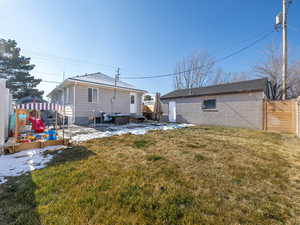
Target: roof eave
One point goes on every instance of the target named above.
(73, 80)
(59, 87)
(111, 86)
(211, 94)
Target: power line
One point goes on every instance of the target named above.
(233, 45)
(294, 28)
(45, 56)
(216, 61)
(50, 81)
(246, 47)
(46, 73)
(152, 76)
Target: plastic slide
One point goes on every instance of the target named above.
(37, 124)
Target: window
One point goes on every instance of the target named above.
(209, 104)
(132, 99)
(92, 95)
(95, 94)
(67, 95)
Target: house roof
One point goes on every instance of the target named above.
(102, 79)
(98, 79)
(229, 88)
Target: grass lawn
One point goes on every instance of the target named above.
(196, 175)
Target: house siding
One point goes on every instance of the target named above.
(58, 96)
(235, 110)
(139, 104)
(82, 109)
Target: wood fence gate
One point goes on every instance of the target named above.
(281, 116)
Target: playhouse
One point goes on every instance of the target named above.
(35, 125)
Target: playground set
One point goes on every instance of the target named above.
(30, 127)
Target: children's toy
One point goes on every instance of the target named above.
(52, 135)
(31, 138)
(29, 129)
(37, 124)
(38, 136)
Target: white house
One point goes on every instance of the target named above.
(97, 92)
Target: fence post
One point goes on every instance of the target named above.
(4, 113)
(297, 117)
(265, 114)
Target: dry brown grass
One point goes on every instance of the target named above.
(197, 175)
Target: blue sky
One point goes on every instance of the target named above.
(141, 37)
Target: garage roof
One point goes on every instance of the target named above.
(229, 88)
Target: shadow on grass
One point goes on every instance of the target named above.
(18, 205)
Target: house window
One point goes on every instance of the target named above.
(209, 104)
(92, 95)
(132, 99)
(95, 95)
(67, 95)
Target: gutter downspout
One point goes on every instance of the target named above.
(74, 102)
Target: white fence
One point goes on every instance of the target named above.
(5, 110)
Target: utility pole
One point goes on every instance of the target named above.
(117, 77)
(284, 48)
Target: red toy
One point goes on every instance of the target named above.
(37, 124)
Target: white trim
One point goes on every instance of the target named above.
(86, 83)
(74, 102)
(67, 100)
(93, 100)
(133, 107)
(172, 111)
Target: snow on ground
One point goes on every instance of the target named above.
(80, 134)
(24, 161)
(29, 160)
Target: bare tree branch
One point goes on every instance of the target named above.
(272, 69)
(194, 71)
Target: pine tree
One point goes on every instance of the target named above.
(16, 69)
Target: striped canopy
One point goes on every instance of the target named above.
(41, 106)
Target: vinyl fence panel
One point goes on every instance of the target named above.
(5, 109)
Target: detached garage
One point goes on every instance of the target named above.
(239, 104)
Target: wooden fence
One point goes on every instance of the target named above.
(281, 116)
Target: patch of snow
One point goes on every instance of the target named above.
(24, 161)
(136, 129)
(33, 159)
